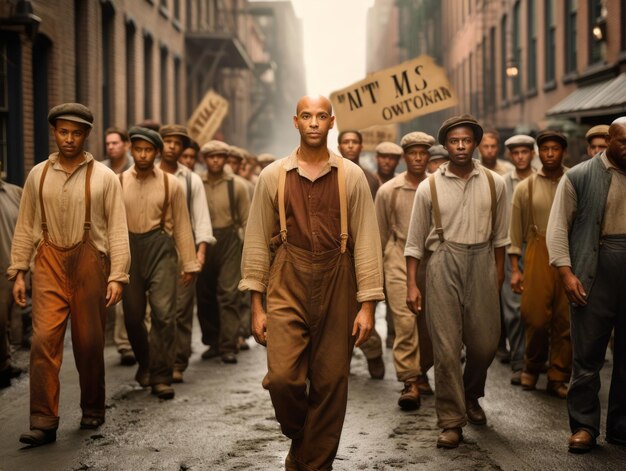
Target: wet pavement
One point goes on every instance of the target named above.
(221, 419)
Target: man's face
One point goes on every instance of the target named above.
(70, 137)
(597, 144)
(460, 144)
(234, 163)
(143, 154)
(433, 165)
(188, 158)
(416, 158)
(172, 148)
(616, 151)
(387, 163)
(551, 154)
(313, 121)
(350, 146)
(116, 148)
(521, 157)
(215, 163)
(488, 149)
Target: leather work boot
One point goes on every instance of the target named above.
(177, 376)
(516, 378)
(376, 367)
(450, 438)
(163, 391)
(424, 386)
(37, 437)
(142, 377)
(475, 413)
(127, 357)
(557, 389)
(529, 381)
(581, 441)
(410, 396)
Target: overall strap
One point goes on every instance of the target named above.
(165, 200)
(282, 177)
(494, 201)
(188, 180)
(234, 215)
(87, 225)
(435, 206)
(532, 225)
(44, 223)
(393, 217)
(343, 204)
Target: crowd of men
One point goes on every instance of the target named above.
(476, 255)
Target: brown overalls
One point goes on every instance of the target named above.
(311, 307)
(67, 282)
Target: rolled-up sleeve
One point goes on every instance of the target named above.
(382, 215)
(23, 244)
(560, 222)
(420, 224)
(117, 230)
(501, 235)
(203, 229)
(516, 227)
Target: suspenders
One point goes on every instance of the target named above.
(437, 212)
(343, 204)
(533, 226)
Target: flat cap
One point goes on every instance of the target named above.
(237, 152)
(71, 112)
(266, 158)
(601, 130)
(519, 140)
(215, 148)
(176, 130)
(438, 152)
(416, 138)
(551, 135)
(150, 124)
(147, 135)
(389, 148)
(462, 120)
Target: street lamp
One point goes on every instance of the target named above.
(511, 68)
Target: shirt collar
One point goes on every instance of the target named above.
(155, 171)
(54, 160)
(443, 168)
(291, 161)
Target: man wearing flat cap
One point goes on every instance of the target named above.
(597, 139)
(587, 243)
(387, 157)
(461, 215)
(175, 140)
(438, 156)
(218, 296)
(544, 308)
(412, 349)
(521, 150)
(72, 215)
(160, 232)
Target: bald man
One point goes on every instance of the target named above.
(312, 246)
(590, 256)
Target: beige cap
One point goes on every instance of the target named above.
(389, 148)
(266, 158)
(215, 148)
(601, 130)
(520, 140)
(417, 138)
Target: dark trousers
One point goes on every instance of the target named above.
(591, 330)
(67, 283)
(153, 269)
(311, 307)
(217, 294)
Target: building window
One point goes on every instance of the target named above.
(147, 77)
(131, 114)
(550, 45)
(623, 23)
(178, 115)
(595, 46)
(176, 9)
(492, 68)
(108, 15)
(164, 85)
(80, 53)
(503, 46)
(531, 64)
(571, 10)
(517, 50)
(485, 74)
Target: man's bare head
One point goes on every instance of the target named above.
(314, 118)
(314, 100)
(616, 151)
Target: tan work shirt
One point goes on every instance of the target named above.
(502, 167)
(219, 204)
(393, 219)
(362, 226)
(64, 203)
(564, 209)
(544, 189)
(465, 206)
(144, 205)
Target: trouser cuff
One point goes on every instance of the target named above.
(42, 422)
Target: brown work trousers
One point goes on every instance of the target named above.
(545, 313)
(412, 348)
(463, 307)
(67, 283)
(311, 308)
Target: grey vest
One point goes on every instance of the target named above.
(591, 180)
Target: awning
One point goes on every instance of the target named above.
(608, 97)
(223, 47)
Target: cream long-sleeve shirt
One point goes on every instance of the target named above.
(362, 228)
(64, 204)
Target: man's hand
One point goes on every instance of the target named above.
(186, 278)
(258, 318)
(413, 298)
(364, 323)
(573, 287)
(201, 257)
(517, 281)
(19, 289)
(114, 293)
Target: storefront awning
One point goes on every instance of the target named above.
(604, 98)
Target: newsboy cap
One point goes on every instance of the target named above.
(438, 152)
(266, 158)
(389, 148)
(237, 152)
(462, 120)
(147, 135)
(417, 138)
(176, 130)
(71, 112)
(551, 135)
(601, 130)
(215, 148)
(519, 140)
